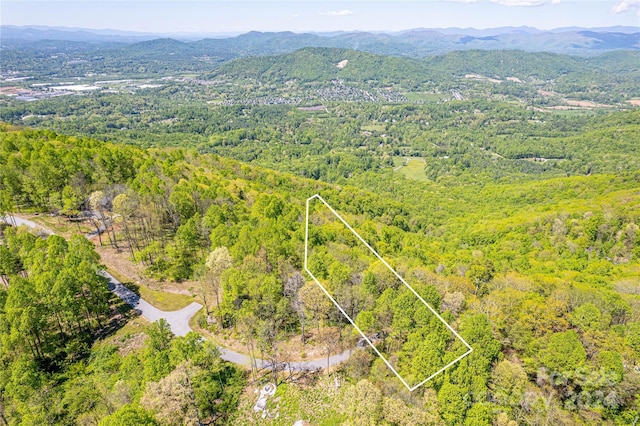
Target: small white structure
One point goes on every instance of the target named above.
(261, 404)
(76, 87)
(267, 391)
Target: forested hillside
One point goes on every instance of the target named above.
(503, 186)
(539, 276)
(321, 65)
(332, 114)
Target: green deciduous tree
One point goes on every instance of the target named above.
(480, 414)
(508, 383)
(564, 353)
(633, 337)
(586, 317)
(128, 415)
(611, 363)
(314, 300)
(366, 321)
(480, 273)
(454, 402)
(218, 261)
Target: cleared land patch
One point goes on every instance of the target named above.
(411, 168)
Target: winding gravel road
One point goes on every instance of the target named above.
(18, 221)
(179, 320)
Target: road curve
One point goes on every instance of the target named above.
(179, 320)
(311, 365)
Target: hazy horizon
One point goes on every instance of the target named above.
(114, 31)
(238, 17)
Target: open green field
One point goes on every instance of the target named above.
(411, 168)
(374, 127)
(424, 97)
(62, 226)
(575, 112)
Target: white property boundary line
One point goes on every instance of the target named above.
(306, 253)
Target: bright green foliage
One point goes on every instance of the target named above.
(128, 415)
(183, 254)
(160, 335)
(542, 265)
(106, 386)
(365, 321)
(508, 383)
(586, 317)
(479, 414)
(70, 201)
(476, 330)
(339, 274)
(481, 273)
(51, 310)
(564, 353)
(454, 402)
(633, 337)
(473, 372)
(427, 357)
(611, 362)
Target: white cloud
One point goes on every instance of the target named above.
(522, 3)
(626, 6)
(525, 3)
(344, 12)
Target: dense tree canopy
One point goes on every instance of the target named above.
(537, 276)
(502, 186)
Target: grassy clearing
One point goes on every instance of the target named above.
(399, 161)
(134, 326)
(165, 301)
(424, 97)
(315, 402)
(414, 169)
(62, 226)
(128, 338)
(377, 127)
(571, 112)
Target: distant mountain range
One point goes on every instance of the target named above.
(415, 43)
(324, 65)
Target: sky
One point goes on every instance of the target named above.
(212, 16)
